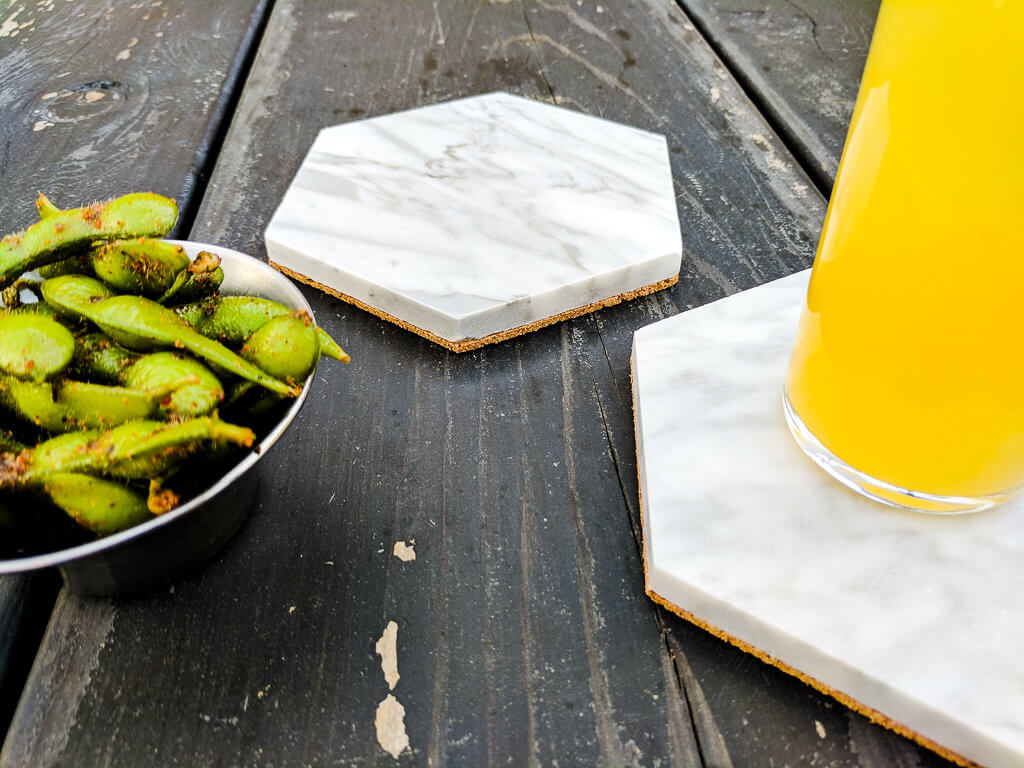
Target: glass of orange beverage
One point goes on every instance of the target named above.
(906, 381)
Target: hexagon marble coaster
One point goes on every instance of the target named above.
(914, 620)
(476, 220)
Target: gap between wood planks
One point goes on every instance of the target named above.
(800, 152)
(222, 114)
(710, 743)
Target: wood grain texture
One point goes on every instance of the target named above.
(801, 61)
(101, 97)
(524, 637)
(98, 99)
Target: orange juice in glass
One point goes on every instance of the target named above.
(906, 381)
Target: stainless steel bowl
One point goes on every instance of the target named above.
(167, 546)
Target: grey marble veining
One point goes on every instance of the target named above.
(481, 215)
(916, 616)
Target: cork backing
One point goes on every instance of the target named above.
(871, 714)
(469, 344)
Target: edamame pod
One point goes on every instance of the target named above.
(80, 404)
(203, 277)
(160, 368)
(143, 265)
(71, 295)
(99, 356)
(139, 323)
(134, 450)
(232, 319)
(99, 405)
(59, 233)
(34, 346)
(286, 347)
(102, 506)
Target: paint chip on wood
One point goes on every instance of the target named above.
(126, 53)
(405, 552)
(819, 728)
(387, 649)
(41, 124)
(390, 722)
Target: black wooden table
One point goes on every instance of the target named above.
(524, 636)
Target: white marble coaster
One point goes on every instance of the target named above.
(915, 617)
(478, 219)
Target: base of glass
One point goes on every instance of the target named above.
(879, 490)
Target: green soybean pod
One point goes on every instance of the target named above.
(142, 265)
(102, 405)
(137, 449)
(34, 346)
(60, 232)
(286, 347)
(232, 319)
(33, 401)
(102, 506)
(97, 356)
(160, 368)
(139, 323)
(203, 277)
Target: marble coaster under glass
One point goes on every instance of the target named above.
(912, 619)
(476, 220)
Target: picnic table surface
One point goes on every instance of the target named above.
(523, 633)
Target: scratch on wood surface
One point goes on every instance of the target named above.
(342, 15)
(569, 53)
(437, 19)
(405, 552)
(390, 723)
(387, 649)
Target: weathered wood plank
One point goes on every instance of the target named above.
(524, 636)
(99, 98)
(801, 60)
(25, 605)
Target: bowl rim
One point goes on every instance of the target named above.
(80, 551)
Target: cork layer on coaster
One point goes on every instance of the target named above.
(470, 344)
(502, 214)
(895, 614)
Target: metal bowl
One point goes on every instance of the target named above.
(160, 549)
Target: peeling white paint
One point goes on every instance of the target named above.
(126, 53)
(390, 723)
(41, 125)
(405, 552)
(387, 649)
(10, 26)
(820, 729)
